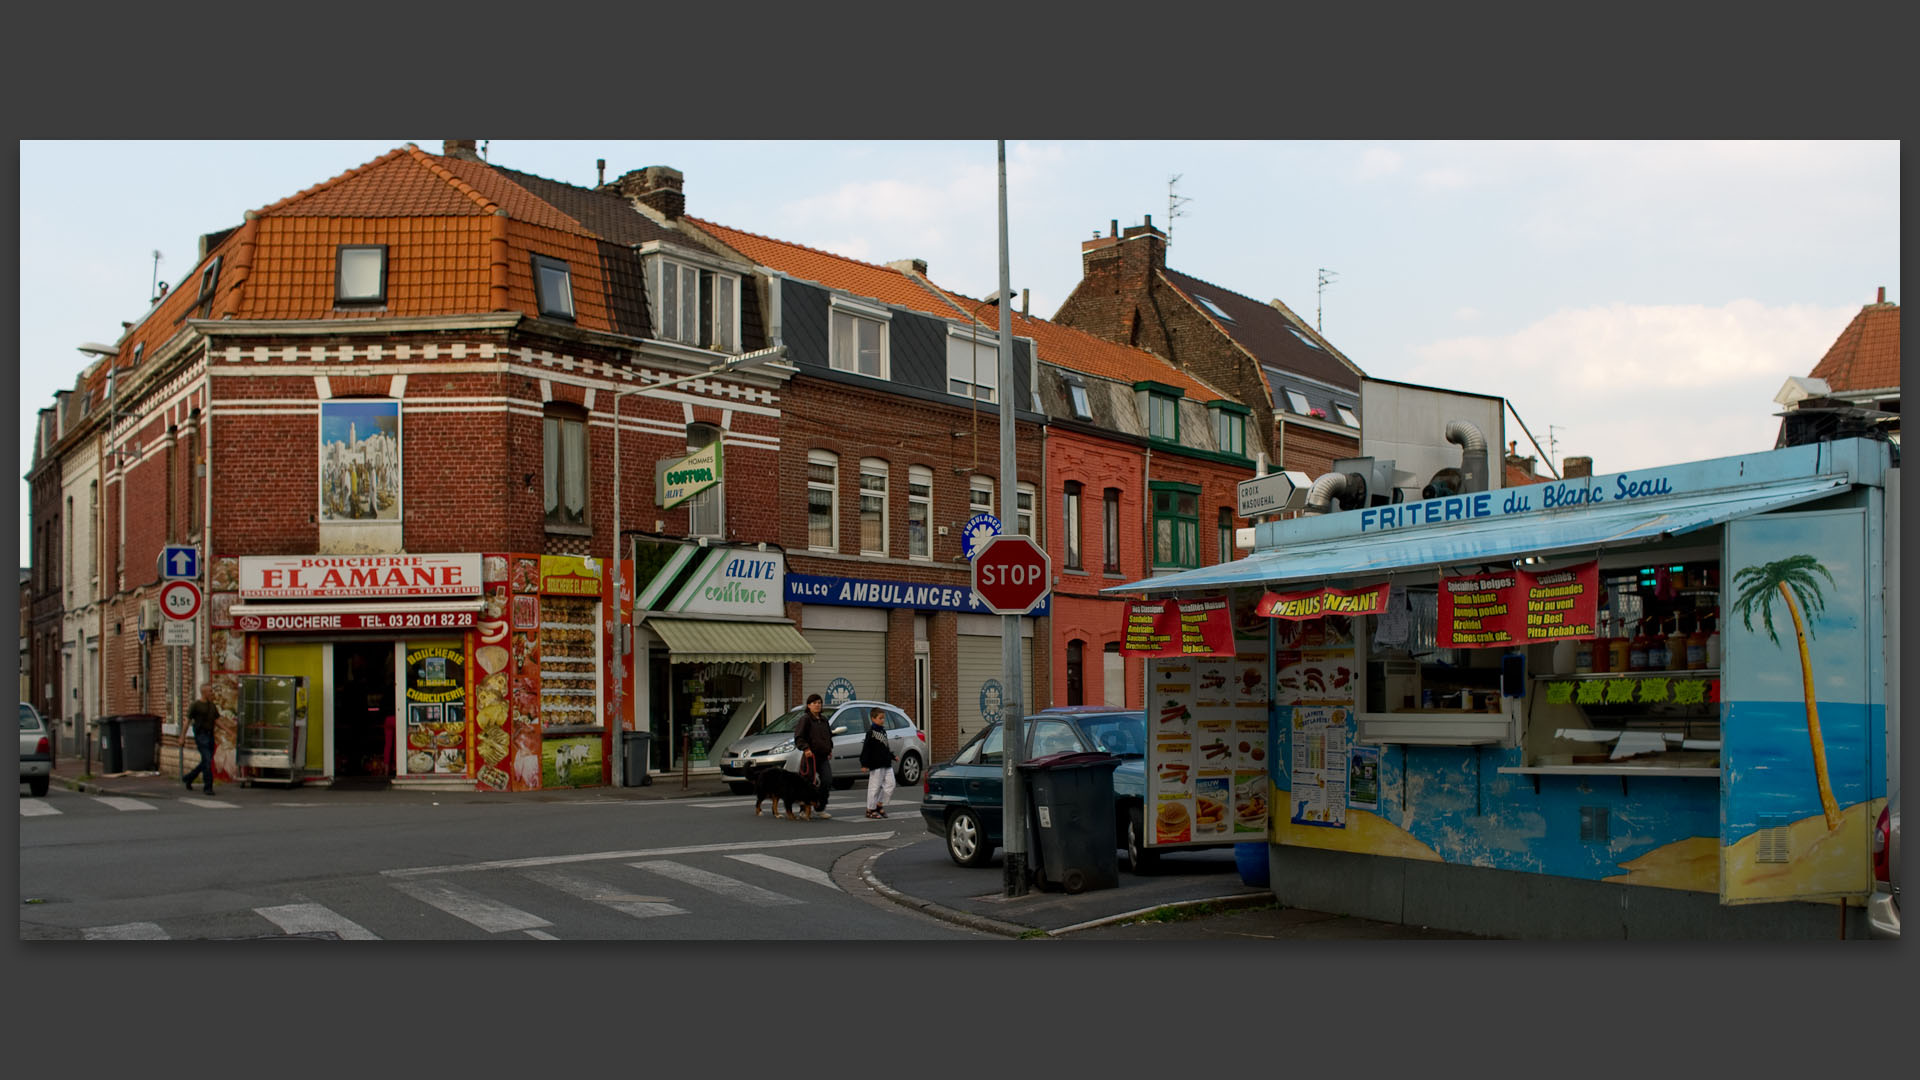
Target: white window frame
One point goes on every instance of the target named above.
(965, 376)
(550, 306)
(919, 476)
(377, 294)
(1296, 401)
(1072, 499)
(1347, 416)
(841, 306)
(1226, 424)
(832, 488)
(870, 469)
(688, 319)
(1078, 401)
(557, 464)
(1023, 498)
(975, 506)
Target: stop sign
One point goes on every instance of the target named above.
(1011, 575)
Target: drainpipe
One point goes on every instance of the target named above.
(1473, 454)
(1320, 497)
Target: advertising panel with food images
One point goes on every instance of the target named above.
(436, 688)
(1319, 767)
(1207, 730)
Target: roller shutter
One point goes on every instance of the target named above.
(979, 661)
(859, 656)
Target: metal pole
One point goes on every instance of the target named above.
(1014, 800)
(616, 747)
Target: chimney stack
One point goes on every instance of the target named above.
(1023, 302)
(657, 187)
(1575, 467)
(600, 165)
(1883, 295)
(910, 266)
(464, 149)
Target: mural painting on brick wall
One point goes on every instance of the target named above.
(359, 461)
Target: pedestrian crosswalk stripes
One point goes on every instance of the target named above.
(832, 837)
(490, 915)
(605, 895)
(787, 867)
(121, 802)
(133, 931)
(731, 888)
(36, 808)
(313, 918)
(211, 804)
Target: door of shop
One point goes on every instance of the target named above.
(858, 656)
(307, 659)
(363, 710)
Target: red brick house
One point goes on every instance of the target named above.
(1304, 394)
(1855, 388)
(383, 410)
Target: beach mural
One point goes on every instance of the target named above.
(360, 460)
(1801, 724)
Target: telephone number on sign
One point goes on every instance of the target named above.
(429, 620)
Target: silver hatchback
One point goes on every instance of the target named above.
(36, 751)
(773, 745)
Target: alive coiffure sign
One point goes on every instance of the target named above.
(346, 577)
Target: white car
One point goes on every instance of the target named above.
(36, 751)
(773, 745)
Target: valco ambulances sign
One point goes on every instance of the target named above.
(342, 577)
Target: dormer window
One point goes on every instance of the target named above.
(1304, 339)
(553, 287)
(1077, 398)
(697, 306)
(1213, 308)
(1161, 405)
(858, 341)
(1347, 416)
(1297, 402)
(139, 351)
(1230, 427)
(973, 363)
(360, 274)
(208, 278)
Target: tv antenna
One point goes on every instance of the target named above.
(1174, 203)
(1553, 443)
(153, 287)
(1326, 278)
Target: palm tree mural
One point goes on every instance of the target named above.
(1792, 578)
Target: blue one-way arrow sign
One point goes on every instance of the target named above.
(180, 563)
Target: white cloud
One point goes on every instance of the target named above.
(1467, 314)
(1378, 161)
(1638, 386)
(1448, 177)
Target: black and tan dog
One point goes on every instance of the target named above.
(780, 785)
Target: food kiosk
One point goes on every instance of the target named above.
(1643, 704)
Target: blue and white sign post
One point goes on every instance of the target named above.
(179, 562)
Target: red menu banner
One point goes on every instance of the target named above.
(1166, 628)
(1518, 607)
(1317, 603)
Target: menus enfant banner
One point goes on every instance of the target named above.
(1519, 607)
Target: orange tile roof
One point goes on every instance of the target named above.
(1080, 351)
(882, 283)
(1866, 356)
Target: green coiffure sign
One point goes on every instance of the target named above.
(677, 481)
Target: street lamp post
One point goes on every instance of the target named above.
(621, 635)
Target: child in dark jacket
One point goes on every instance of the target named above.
(876, 760)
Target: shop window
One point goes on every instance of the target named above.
(564, 449)
(1070, 524)
(873, 506)
(823, 494)
(553, 287)
(1176, 526)
(705, 511)
(1110, 531)
(919, 512)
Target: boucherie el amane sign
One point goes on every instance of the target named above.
(342, 577)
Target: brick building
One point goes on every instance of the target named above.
(1303, 393)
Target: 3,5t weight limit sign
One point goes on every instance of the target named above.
(180, 599)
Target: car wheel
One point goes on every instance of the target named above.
(740, 787)
(908, 771)
(1139, 857)
(38, 785)
(967, 840)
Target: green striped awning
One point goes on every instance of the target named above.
(699, 641)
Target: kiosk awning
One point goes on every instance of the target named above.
(700, 641)
(1491, 540)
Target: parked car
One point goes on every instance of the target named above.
(962, 797)
(1883, 908)
(773, 745)
(36, 751)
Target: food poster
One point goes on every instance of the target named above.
(507, 716)
(572, 761)
(1207, 749)
(1519, 607)
(492, 656)
(569, 661)
(1318, 795)
(1363, 778)
(436, 707)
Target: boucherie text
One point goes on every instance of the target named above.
(316, 576)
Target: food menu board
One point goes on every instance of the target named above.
(1319, 766)
(1519, 607)
(1173, 627)
(1206, 750)
(436, 707)
(569, 651)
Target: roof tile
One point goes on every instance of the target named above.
(1866, 355)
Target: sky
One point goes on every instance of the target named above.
(1638, 303)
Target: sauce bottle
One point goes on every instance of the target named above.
(1637, 649)
(1656, 649)
(1619, 648)
(1583, 657)
(1597, 649)
(1697, 646)
(1676, 646)
(1713, 642)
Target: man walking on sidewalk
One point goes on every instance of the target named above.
(201, 715)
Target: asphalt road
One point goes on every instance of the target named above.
(459, 866)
